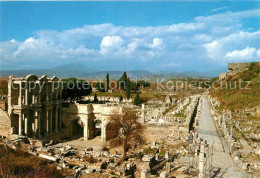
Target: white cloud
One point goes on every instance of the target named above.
(157, 43)
(217, 49)
(207, 38)
(219, 9)
(247, 54)
(111, 44)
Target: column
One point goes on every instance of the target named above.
(39, 92)
(103, 131)
(26, 96)
(25, 124)
(20, 124)
(39, 123)
(20, 94)
(50, 118)
(33, 97)
(47, 121)
(143, 114)
(56, 120)
(56, 94)
(34, 124)
(201, 160)
(60, 118)
(86, 131)
(60, 92)
(10, 82)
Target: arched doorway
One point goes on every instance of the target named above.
(77, 128)
(97, 128)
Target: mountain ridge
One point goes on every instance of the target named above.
(80, 71)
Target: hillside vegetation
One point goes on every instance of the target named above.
(16, 163)
(241, 90)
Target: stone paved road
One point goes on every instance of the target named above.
(223, 164)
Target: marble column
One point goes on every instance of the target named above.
(47, 121)
(50, 118)
(86, 131)
(10, 83)
(103, 132)
(26, 96)
(20, 94)
(56, 120)
(33, 98)
(26, 125)
(59, 118)
(39, 123)
(143, 114)
(20, 124)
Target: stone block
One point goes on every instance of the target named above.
(164, 174)
(147, 158)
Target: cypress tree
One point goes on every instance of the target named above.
(107, 82)
(122, 82)
(128, 87)
(121, 98)
(95, 98)
(137, 100)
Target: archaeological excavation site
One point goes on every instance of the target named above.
(184, 132)
(130, 89)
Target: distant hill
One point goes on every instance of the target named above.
(80, 71)
(117, 74)
(63, 71)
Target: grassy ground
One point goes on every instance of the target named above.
(16, 163)
(240, 97)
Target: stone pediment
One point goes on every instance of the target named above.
(31, 77)
(44, 77)
(54, 78)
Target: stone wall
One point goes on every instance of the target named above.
(234, 68)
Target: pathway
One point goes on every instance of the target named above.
(223, 165)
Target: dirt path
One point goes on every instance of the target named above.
(223, 165)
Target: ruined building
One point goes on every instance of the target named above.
(34, 105)
(36, 110)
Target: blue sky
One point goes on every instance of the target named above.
(177, 36)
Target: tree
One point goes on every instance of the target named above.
(134, 86)
(121, 98)
(128, 88)
(107, 82)
(126, 131)
(100, 87)
(122, 82)
(144, 83)
(137, 100)
(95, 98)
(74, 89)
